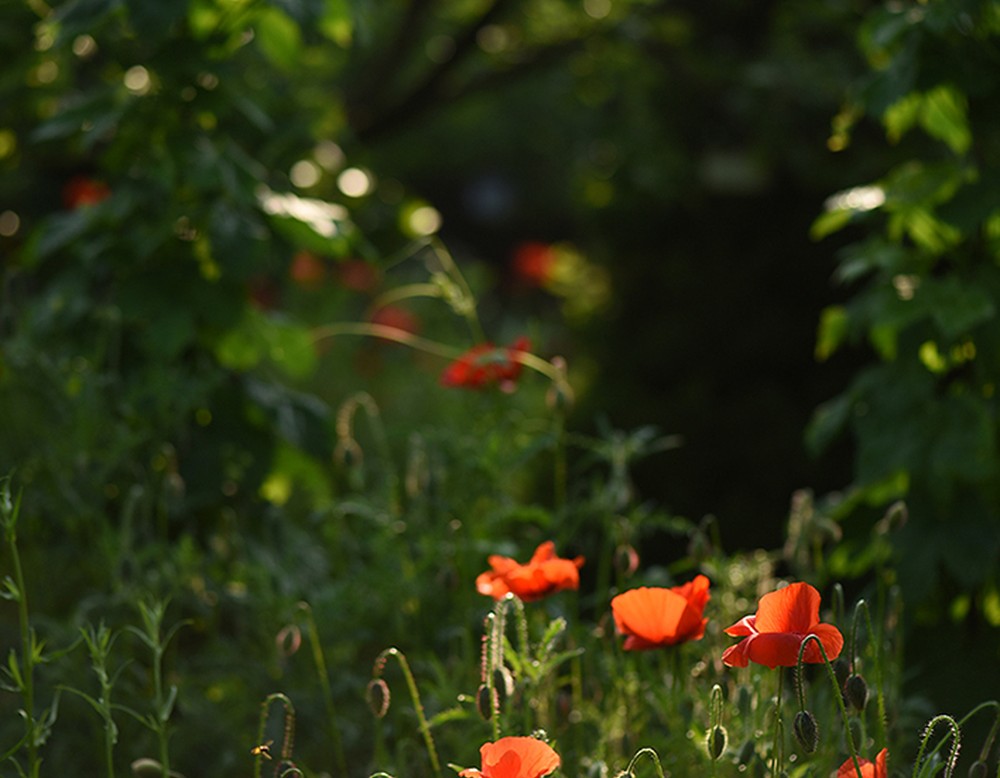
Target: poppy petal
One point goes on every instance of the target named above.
(832, 640)
(736, 656)
(794, 608)
(743, 627)
(774, 649)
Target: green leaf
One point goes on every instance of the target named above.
(833, 329)
(279, 37)
(902, 115)
(956, 305)
(336, 22)
(944, 116)
(829, 420)
(830, 222)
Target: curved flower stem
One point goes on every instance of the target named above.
(404, 292)
(630, 770)
(288, 732)
(879, 683)
(411, 684)
(836, 694)
(450, 268)
(385, 332)
(956, 737)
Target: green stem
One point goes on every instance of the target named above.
(778, 751)
(836, 694)
(288, 731)
(319, 660)
(411, 684)
(630, 770)
(956, 736)
(879, 681)
(11, 509)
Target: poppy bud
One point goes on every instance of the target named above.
(503, 683)
(841, 669)
(715, 741)
(857, 733)
(485, 696)
(978, 769)
(856, 692)
(806, 731)
(746, 753)
(378, 696)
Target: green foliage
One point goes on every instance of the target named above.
(924, 288)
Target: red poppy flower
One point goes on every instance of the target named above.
(533, 262)
(307, 270)
(81, 190)
(876, 769)
(514, 757)
(486, 364)
(773, 636)
(651, 617)
(544, 574)
(397, 317)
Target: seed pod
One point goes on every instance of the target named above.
(378, 697)
(806, 731)
(856, 692)
(716, 741)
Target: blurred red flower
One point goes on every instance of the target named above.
(544, 574)
(81, 190)
(876, 769)
(773, 636)
(514, 757)
(486, 364)
(652, 617)
(307, 270)
(533, 262)
(357, 275)
(398, 317)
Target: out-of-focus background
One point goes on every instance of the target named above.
(770, 231)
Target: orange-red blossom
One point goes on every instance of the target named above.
(774, 635)
(544, 574)
(514, 757)
(486, 364)
(876, 769)
(651, 617)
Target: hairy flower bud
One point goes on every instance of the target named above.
(806, 731)
(978, 769)
(856, 692)
(485, 697)
(746, 753)
(716, 741)
(378, 697)
(503, 683)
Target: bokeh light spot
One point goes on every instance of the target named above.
(304, 173)
(354, 182)
(10, 223)
(84, 46)
(137, 80)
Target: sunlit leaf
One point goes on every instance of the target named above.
(944, 116)
(833, 328)
(279, 37)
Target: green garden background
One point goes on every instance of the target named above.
(730, 275)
